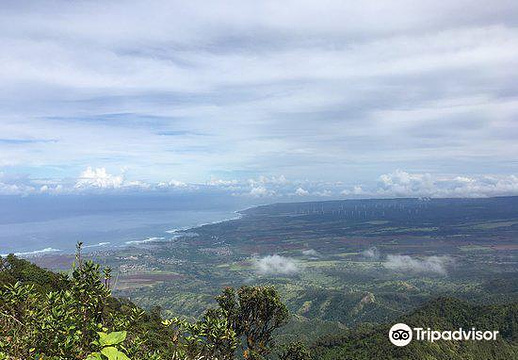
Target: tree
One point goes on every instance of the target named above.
(210, 337)
(254, 312)
(295, 351)
(50, 317)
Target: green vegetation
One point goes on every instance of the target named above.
(337, 281)
(440, 314)
(49, 316)
(108, 344)
(340, 296)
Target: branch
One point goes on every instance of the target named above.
(12, 317)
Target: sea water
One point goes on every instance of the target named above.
(38, 225)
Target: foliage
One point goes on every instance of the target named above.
(107, 343)
(254, 313)
(61, 323)
(13, 269)
(209, 337)
(48, 316)
(440, 314)
(295, 351)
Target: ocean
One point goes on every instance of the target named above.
(54, 224)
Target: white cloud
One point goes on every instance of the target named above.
(356, 190)
(260, 191)
(52, 189)
(323, 193)
(11, 189)
(15, 185)
(301, 192)
(222, 183)
(401, 183)
(429, 265)
(276, 180)
(276, 265)
(98, 178)
(174, 184)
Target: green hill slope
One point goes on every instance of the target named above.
(440, 314)
(49, 316)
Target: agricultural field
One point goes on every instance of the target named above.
(337, 264)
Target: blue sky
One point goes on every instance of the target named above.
(338, 98)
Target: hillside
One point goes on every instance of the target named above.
(335, 263)
(54, 316)
(439, 314)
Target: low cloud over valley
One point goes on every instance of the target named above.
(276, 265)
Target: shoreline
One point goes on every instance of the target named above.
(174, 233)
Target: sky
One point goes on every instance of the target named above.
(327, 98)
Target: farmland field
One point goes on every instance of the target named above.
(337, 264)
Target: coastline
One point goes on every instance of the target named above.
(91, 249)
(192, 228)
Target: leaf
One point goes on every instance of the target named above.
(113, 354)
(94, 356)
(112, 338)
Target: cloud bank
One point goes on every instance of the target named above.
(395, 184)
(401, 183)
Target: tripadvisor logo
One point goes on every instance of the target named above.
(402, 334)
